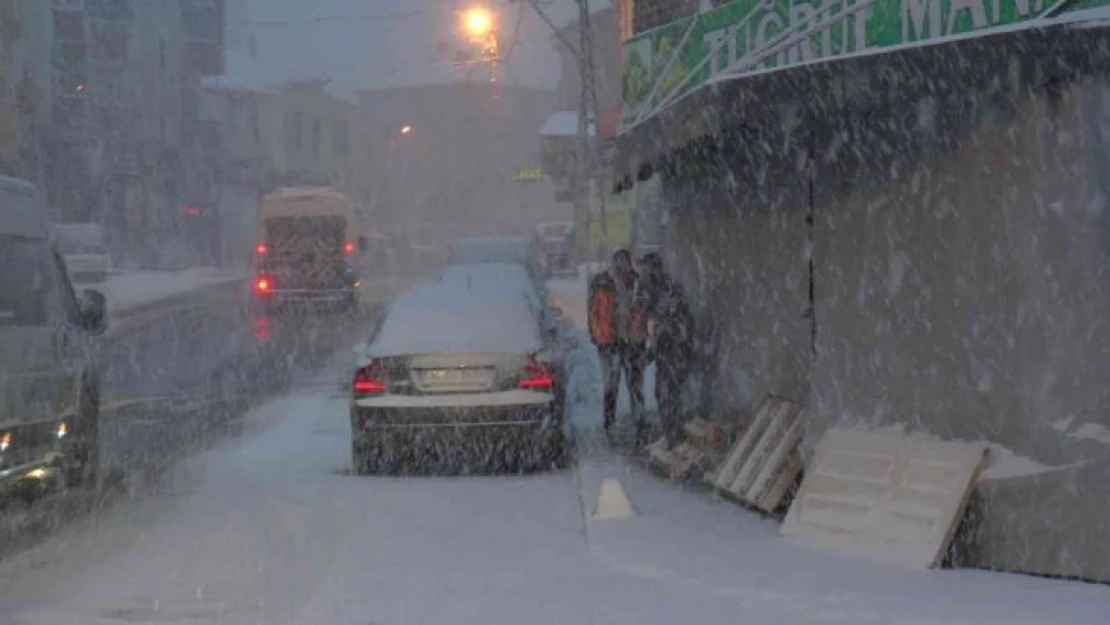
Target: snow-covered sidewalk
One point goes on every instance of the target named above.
(133, 289)
(686, 538)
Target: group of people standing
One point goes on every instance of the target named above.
(637, 317)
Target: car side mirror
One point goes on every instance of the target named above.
(363, 243)
(93, 312)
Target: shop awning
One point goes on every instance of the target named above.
(662, 66)
(707, 84)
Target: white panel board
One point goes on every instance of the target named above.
(889, 497)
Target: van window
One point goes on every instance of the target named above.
(28, 295)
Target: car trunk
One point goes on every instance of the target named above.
(453, 373)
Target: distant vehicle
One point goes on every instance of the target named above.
(49, 386)
(555, 245)
(307, 250)
(460, 377)
(524, 251)
(84, 250)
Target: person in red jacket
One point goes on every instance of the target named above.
(618, 328)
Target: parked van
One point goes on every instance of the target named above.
(49, 387)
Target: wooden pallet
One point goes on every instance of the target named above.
(704, 441)
(764, 462)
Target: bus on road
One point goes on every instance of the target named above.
(308, 250)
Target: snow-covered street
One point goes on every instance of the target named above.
(269, 527)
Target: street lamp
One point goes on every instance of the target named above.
(406, 129)
(477, 22)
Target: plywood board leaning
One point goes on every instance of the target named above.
(886, 496)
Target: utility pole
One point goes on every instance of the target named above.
(589, 77)
(582, 180)
(587, 100)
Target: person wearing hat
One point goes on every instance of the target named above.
(671, 340)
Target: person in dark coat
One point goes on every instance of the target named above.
(671, 337)
(616, 326)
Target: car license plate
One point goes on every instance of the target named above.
(453, 375)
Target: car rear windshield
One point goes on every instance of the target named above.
(26, 284)
(491, 251)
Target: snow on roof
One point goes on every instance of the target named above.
(448, 317)
(563, 124)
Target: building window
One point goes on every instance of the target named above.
(294, 130)
(340, 140)
(317, 135)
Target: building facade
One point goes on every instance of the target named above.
(909, 235)
(255, 141)
(110, 89)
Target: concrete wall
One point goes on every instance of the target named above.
(968, 295)
(739, 247)
(961, 277)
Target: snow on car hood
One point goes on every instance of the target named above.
(449, 317)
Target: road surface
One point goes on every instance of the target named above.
(269, 527)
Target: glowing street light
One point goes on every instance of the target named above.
(477, 22)
(406, 129)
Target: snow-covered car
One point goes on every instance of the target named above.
(460, 377)
(82, 246)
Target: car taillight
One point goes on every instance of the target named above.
(349, 247)
(261, 249)
(369, 380)
(537, 376)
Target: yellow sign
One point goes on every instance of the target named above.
(528, 175)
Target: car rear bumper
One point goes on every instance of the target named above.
(509, 409)
(308, 299)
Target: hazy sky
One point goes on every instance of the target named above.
(378, 43)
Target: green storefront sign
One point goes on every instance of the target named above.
(665, 63)
(528, 175)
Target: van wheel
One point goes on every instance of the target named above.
(82, 461)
